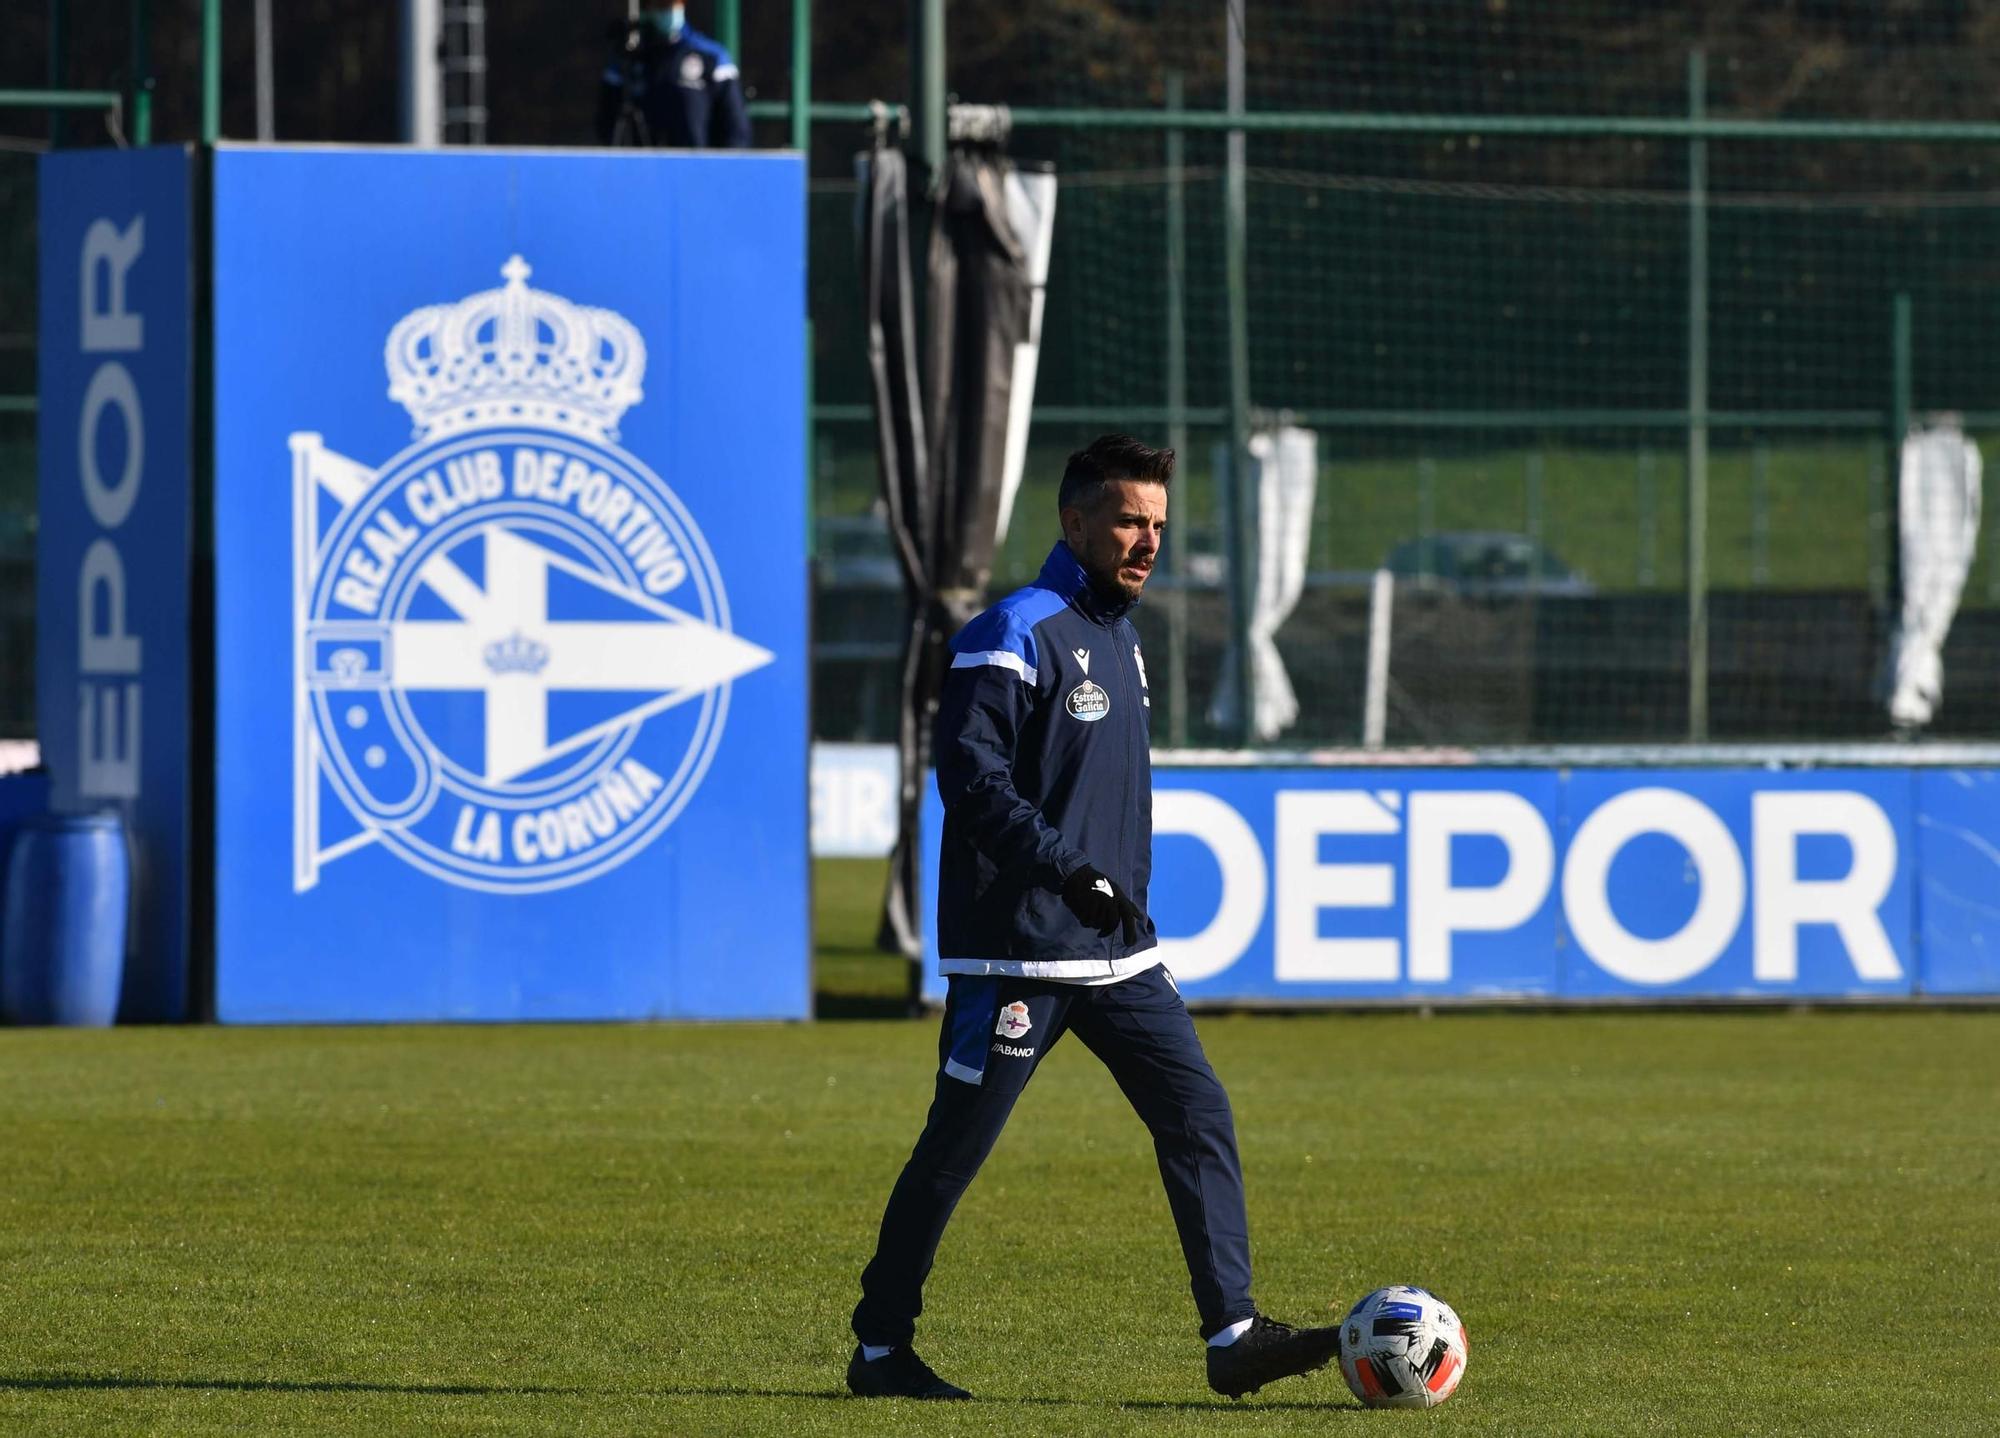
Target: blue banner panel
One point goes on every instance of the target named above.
(1327, 885)
(1738, 883)
(1958, 838)
(1344, 884)
(510, 586)
(112, 551)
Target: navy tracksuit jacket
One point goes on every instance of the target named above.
(685, 87)
(1043, 766)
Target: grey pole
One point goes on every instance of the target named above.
(927, 111)
(1902, 385)
(1531, 487)
(1697, 403)
(266, 123)
(1760, 513)
(422, 109)
(1242, 524)
(1176, 408)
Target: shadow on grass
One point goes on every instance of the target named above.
(859, 1006)
(57, 1382)
(1165, 1405)
(72, 1381)
(860, 983)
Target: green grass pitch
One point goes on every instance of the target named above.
(1664, 1223)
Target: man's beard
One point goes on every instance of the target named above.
(1109, 587)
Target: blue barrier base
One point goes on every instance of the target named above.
(68, 890)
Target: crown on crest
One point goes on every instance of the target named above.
(516, 654)
(515, 356)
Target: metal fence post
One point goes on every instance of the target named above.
(729, 27)
(140, 81)
(927, 103)
(1427, 516)
(1242, 496)
(1697, 403)
(267, 125)
(1901, 387)
(802, 82)
(211, 71)
(801, 127)
(420, 25)
(1760, 513)
(1531, 486)
(1176, 217)
(1901, 379)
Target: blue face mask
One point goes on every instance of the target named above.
(668, 23)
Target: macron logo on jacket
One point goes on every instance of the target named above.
(1043, 767)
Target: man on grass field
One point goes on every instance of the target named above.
(1043, 766)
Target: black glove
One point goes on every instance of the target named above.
(1101, 904)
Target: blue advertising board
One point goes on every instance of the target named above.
(1735, 883)
(1331, 885)
(1958, 906)
(112, 548)
(510, 586)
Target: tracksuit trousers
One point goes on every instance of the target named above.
(996, 1030)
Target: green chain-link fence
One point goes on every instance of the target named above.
(1474, 268)
(17, 444)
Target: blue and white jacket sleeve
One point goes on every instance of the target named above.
(989, 695)
(728, 118)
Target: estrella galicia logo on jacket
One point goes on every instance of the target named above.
(1088, 702)
(513, 649)
(1013, 1021)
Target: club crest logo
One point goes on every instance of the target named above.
(513, 652)
(1014, 1021)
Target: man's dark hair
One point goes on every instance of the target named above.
(1108, 458)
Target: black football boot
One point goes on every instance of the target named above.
(897, 1374)
(1268, 1351)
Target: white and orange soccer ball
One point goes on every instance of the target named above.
(1402, 1347)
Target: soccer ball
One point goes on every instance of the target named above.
(1402, 1347)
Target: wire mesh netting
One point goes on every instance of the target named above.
(1491, 335)
(1473, 276)
(17, 446)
